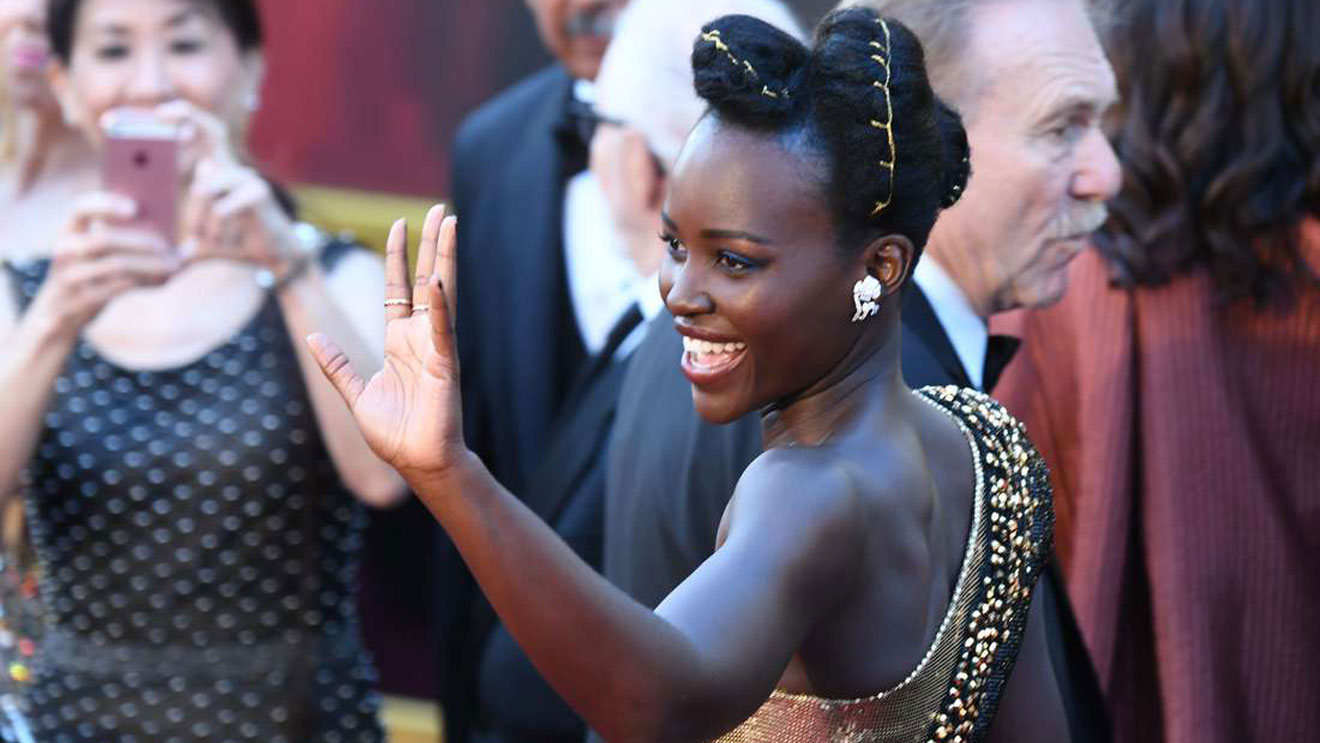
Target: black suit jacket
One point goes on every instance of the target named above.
(518, 342)
(568, 492)
(671, 475)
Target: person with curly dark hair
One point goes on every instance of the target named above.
(877, 564)
(1174, 393)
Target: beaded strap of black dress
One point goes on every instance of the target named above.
(199, 554)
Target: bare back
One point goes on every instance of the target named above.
(954, 520)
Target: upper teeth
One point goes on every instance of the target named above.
(694, 345)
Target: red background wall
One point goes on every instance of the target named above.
(367, 94)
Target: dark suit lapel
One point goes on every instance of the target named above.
(579, 437)
(931, 346)
(578, 444)
(535, 344)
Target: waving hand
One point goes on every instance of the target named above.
(409, 412)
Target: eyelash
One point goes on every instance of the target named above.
(672, 245)
(1069, 131)
(734, 263)
(189, 46)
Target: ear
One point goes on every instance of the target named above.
(254, 74)
(643, 169)
(628, 174)
(889, 259)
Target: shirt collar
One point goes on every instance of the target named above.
(585, 91)
(967, 332)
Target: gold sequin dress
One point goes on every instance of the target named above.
(954, 691)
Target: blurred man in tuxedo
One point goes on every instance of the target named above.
(520, 339)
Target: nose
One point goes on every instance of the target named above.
(1099, 175)
(151, 83)
(680, 285)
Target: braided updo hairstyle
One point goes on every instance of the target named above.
(859, 98)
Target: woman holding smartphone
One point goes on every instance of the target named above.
(193, 484)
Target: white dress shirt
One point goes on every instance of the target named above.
(602, 280)
(966, 330)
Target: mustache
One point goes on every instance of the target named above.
(1081, 218)
(597, 20)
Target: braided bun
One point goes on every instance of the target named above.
(895, 153)
(747, 70)
(957, 154)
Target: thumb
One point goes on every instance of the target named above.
(337, 368)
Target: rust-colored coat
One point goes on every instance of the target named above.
(1184, 436)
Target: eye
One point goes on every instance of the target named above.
(112, 52)
(187, 46)
(736, 264)
(1070, 131)
(677, 250)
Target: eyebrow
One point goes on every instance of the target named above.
(176, 20)
(718, 234)
(1075, 102)
(185, 15)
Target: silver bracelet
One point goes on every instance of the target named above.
(311, 240)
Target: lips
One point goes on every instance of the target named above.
(29, 58)
(705, 362)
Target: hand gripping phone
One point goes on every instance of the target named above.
(140, 160)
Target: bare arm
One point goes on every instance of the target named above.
(710, 654)
(713, 650)
(346, 303)
(93, 262)
(1031, 708)
(231, 212)
(34, 352)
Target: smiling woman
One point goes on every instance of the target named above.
(876, 565)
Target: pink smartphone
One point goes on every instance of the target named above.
(140, 160)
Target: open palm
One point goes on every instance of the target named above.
(409, 412)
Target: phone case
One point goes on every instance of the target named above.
(146, 169)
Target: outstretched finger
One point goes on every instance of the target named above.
(398, 286)
(101, 207)
(442, 327)
(426, 254)
(447, 263)
(337, 368)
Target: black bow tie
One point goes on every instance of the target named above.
(998, 352)
(579, 122)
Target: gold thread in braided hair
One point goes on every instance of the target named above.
(883, 58)
(714, 38)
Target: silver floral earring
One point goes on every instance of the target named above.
(866, 294)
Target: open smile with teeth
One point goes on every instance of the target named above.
(708, 357)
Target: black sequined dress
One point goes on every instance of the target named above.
(199, 554)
